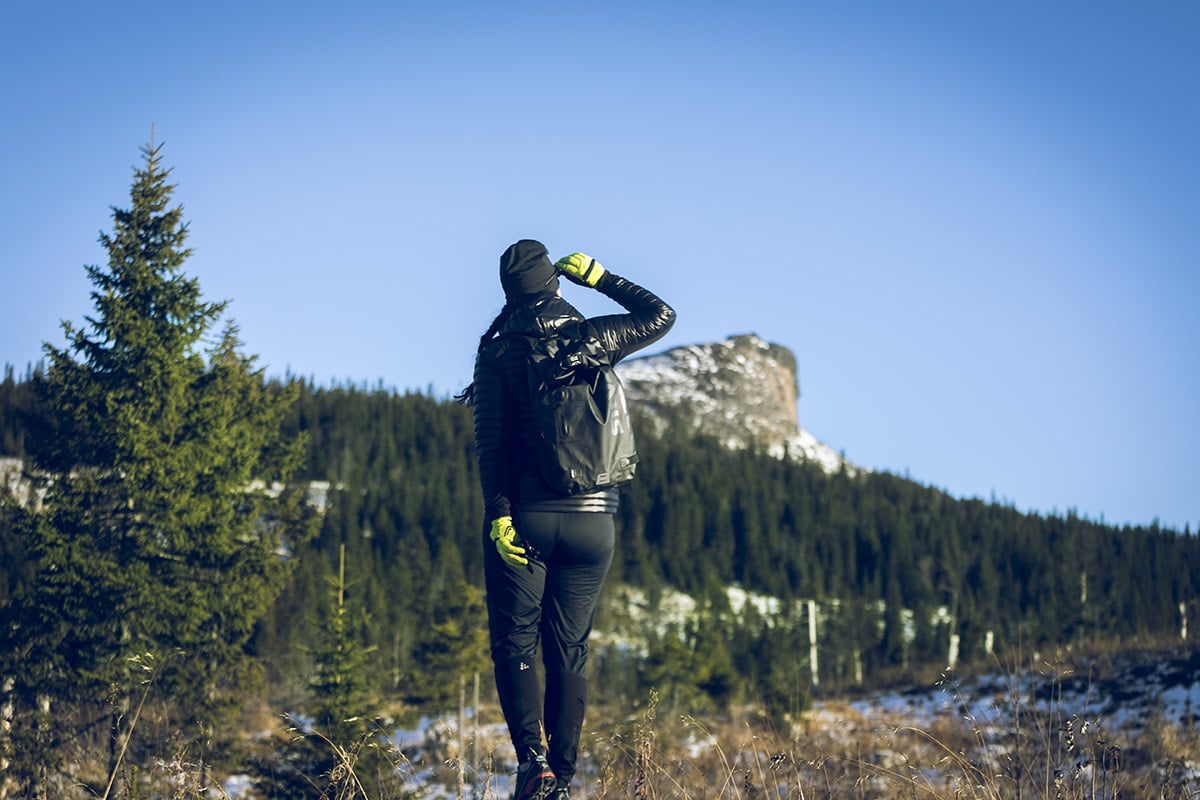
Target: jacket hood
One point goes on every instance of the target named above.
(542, 316)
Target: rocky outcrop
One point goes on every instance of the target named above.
(742, 391)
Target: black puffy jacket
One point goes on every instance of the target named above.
(508, 466)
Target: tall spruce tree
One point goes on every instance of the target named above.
(163, 524)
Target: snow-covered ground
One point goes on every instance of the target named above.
(1073, 716)
(1122, 698)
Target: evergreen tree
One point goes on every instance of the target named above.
(16, 402)
(163, 519)
(341, 701)
(453, 645)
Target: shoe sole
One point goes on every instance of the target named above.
(543, 792)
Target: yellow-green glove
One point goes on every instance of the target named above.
(504, 535)
(581, 269)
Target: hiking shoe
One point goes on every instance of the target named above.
(535, 780)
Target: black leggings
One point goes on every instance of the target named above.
(552, 600)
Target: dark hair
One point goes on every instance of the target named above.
(467, 395)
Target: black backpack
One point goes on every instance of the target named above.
(585, 441)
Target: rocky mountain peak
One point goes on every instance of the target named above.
(742, 391)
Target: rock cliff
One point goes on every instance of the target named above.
(742, 391)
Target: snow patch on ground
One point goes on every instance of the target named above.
(1124, 701)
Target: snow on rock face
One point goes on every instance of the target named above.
(742, 391)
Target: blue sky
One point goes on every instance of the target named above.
(975, 224)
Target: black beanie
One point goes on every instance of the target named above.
(525, 269)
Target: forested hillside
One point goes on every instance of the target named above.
(894, 567)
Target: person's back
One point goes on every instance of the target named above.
(504, 360)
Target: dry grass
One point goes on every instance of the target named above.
(1021, 750)
(1054, 756)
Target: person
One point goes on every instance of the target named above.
(546, 553)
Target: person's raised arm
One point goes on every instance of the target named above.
(647, 319)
